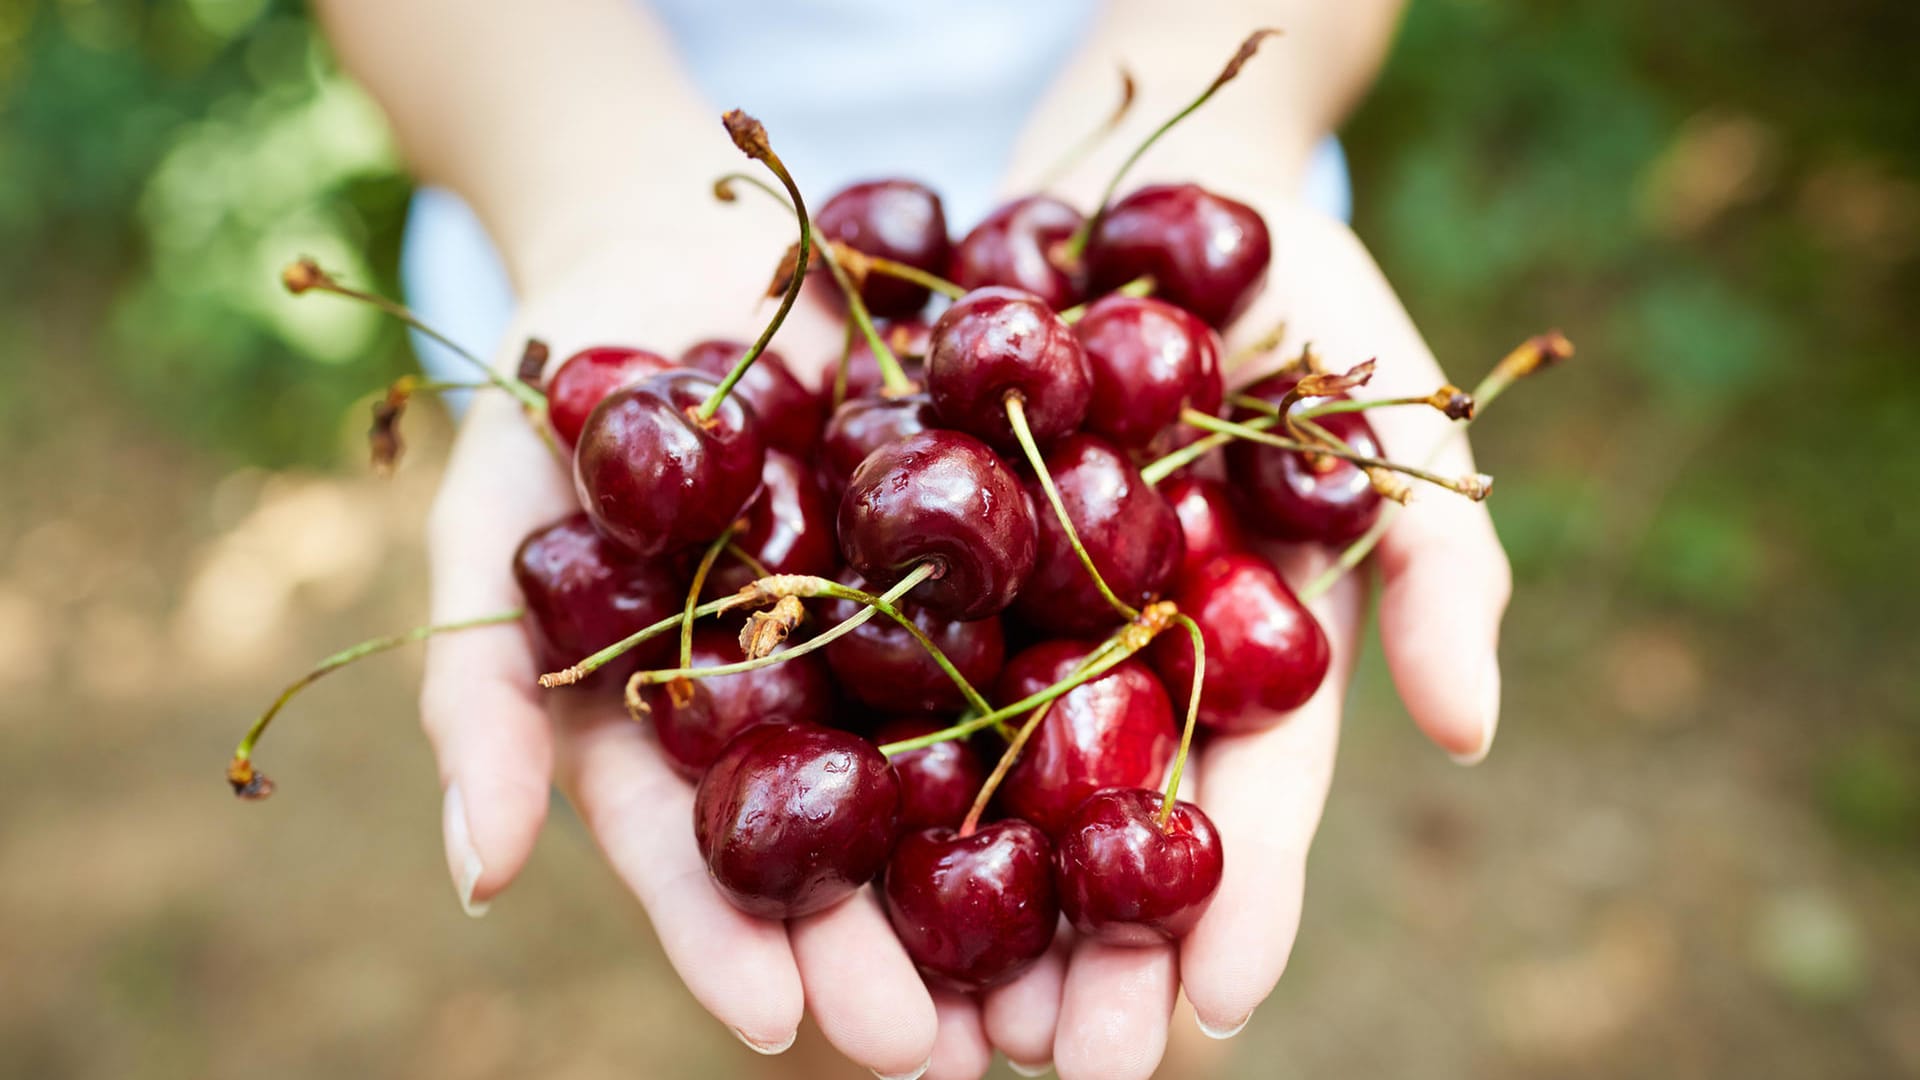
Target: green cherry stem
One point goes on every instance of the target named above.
(894, 269)
(746, 558)
(1256, 430)
(892, 611)
(1017, 417)
(892, 375)
(1078, 151)
(1002, 767)
(1137, 288)
(568, 676)
(700, 572)
(751, 137)
(843, 366)
(249, 783)
(1193, 718)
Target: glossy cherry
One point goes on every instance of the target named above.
(1014, 246)
(1149, 361)
(1266, 654)
(900, 220)
(1207, 520)
(792, 819)
(973, 911)
(1292, 496)
(945, 498)
(864, 424)
(693, 729)
(653, 477)
(1129, 531)
(1205, 252)
(583, 594)
(998, 341)
(789, 527)
(880, 665)
(1124, 880)
(1117, 730)
(587, 377)
(908, 340)
(938, 782)
(786, 414)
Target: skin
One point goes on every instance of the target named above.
(487, 101)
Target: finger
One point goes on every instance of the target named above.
(1264, 793)
(478, 701)
(1022, 1016)
(961, 1051)
(740, 968)
(1114, 1010)
(862, 989)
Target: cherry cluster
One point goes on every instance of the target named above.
(1028, 531)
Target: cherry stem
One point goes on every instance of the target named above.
(1193, 718)
(700, 572)
(306, 275)
(1259, 346)
(746, 558)
(747, 597)
(842, 367)
(1532, 355)
(892, 376)
(892, 611)
(1137, 288)
(1456, 403)
(817, 587)
(1017, 417)
(1256, 430)
(751, 138)
(1079, 151)
(249, 783)
(1077, 245)
(723, 188)
(1002, 767)
(895, 269)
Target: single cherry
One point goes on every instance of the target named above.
(1207, 520)
(694, 725)
(1266, 654)
(587, 377)
(908, 340)
(938, 782)
(657, 479)
(1149, 361)
(1123, 879)
(583, 594)
(1294, 496)
(862, 425)
(1129, 531)
(945, 498)
(789, 527)
(880, 665)
(973, 911)
(786, 414)
(900, 220)
(994, 342)
(792, 819)
(1205, 252)
(1014, 247)
(1117, 730)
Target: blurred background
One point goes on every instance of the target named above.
(1693, 852)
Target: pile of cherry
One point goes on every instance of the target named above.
(932, 621)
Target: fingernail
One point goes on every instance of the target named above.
(1041, 1069)
(1489, 716)
(914, 1074)
(462, 861)
(768, 1049)
(1227, 1032)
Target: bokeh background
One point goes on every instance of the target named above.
(1693, 852)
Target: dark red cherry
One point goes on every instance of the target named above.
(1266, 654)
(655, 479)
(1117, 730)
(1207, 520)
(864, 424)
(945, 498)
(937, 783)
(1128, 529)
(1149, 361)
(786, 414)
(583, 594)
(792, 819)
(880, 665)
(997, 341)
(789, 527)
(908, 340)
(1292, 496)
(1124, 880)
(973, 911)
(1014, 247)
(693, 727)
(1205, 252)
(587, 377)
(900, 220)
